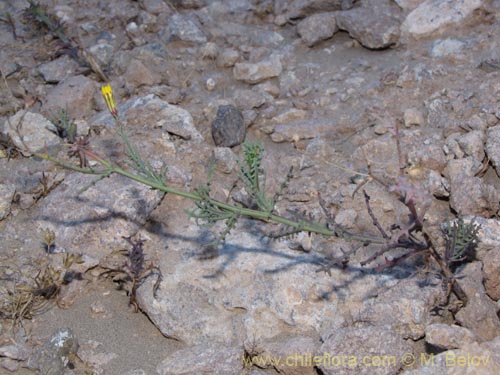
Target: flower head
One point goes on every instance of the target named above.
(107, 93)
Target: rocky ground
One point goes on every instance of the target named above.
(326, 87)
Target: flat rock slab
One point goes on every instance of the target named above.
(95, 220)
(250, 291)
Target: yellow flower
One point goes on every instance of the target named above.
(107, 93)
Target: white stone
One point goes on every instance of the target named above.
(434, 15)
(210, 84)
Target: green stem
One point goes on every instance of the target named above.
(305, 226)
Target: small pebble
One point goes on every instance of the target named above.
(413, 116)
(210, 84)
(380, 129)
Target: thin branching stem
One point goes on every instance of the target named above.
(109, 169)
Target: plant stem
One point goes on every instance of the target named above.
(305, 226)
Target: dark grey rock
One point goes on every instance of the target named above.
(375, 24)
(228, 128)
(317, 28)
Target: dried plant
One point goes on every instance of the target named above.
(28, 296)
(133, 271)
(46, 184)
(49, 241)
